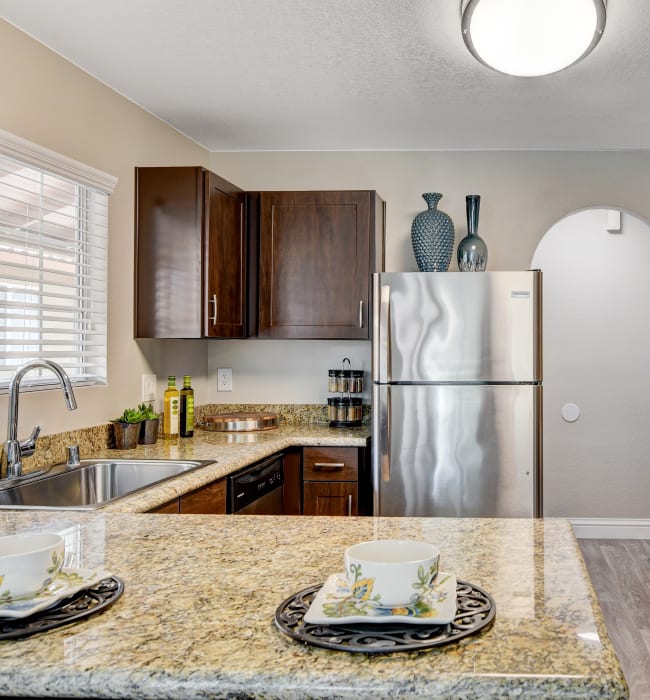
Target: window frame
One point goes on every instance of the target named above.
(84, 178)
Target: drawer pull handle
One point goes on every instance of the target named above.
(331, 466)
(349, 504)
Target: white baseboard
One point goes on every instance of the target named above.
(611, 528)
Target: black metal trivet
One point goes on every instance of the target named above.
(65, 611)
(475, 610)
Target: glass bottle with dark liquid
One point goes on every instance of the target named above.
(187, 408)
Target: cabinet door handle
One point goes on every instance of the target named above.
(361, 314)
(328, 466)
(213, 300)
(350, 504)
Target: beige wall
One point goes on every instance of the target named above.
(49, 101)
(522, 195)
(596, 350)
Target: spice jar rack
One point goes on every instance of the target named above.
(345, 411)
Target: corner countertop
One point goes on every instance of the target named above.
(196, 619)
(231, 451)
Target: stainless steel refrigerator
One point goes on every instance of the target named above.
(457, 394)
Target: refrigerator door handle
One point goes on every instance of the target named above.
(384, 334)
(381, 426)
(385, 456)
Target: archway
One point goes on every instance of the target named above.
(596, 345)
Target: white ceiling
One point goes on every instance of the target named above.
(345, 74)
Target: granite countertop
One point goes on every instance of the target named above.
(231, 451)
(196, 617)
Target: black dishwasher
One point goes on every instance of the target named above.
(257, 490)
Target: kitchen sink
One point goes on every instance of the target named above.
(90, 485)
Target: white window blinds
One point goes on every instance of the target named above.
(53, 274)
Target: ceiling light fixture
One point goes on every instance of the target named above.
(532, 37)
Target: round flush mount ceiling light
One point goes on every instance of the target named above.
(532, 37)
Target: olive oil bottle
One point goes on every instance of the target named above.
(187, 407)
(171, 409)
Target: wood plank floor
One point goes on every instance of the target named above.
(620, 573)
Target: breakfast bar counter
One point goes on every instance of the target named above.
(196, 619)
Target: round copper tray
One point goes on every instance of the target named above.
(475, 610)
(241, 422)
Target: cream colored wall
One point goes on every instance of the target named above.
(51, 102)
(522, 195)
(596, 350)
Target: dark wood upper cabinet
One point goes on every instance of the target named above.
(225, 260)
(316, 252)
(190, 255)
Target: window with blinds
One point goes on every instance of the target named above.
(53, 274)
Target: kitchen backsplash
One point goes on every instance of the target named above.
(50, 449)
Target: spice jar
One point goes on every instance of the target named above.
(354, 411)
(355, 385)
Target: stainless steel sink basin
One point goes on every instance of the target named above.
(90, 485)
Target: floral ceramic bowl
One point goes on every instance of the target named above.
(28, 563)
(391, 573)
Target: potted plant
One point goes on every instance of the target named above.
(126, 428)
(150, 424)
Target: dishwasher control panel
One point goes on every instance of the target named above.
(252, 483)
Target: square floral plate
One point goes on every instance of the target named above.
(335, 604)
(66, 583)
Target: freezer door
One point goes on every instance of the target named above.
(457, 327)
(457, 450)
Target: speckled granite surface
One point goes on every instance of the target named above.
(196, 618)
(50, 449)
(231, 451)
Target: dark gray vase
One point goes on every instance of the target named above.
(472, 251)
(432, 236)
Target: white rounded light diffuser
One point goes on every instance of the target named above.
(532, 37)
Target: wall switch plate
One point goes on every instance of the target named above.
(224, 379)
(148, 387)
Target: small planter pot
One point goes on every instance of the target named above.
(126, 435)
(149, 431)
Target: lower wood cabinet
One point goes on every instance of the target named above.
(317, 481)
(207, 500)
(292, 486)
(170, 507)
(210, 500)
(330, 498)
(330, 481)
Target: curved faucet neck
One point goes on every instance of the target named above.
(13, 445)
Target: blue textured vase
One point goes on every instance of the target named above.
(472, 251)
(432, 236)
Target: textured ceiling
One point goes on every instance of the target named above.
(345, 74)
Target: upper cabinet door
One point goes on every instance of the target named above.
(316, 253)
(225, 260)
(168, 252)
(190, 255)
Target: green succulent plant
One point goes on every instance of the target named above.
(147, 411)
(130, 415)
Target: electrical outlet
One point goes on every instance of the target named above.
(224, 379)
(148, 387)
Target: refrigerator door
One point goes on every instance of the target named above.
(457, 450)
(457, 327)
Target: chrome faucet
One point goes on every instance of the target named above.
(16, 449)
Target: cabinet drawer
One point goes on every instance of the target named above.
(334, 498)
(330, 464)
(210, 499)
